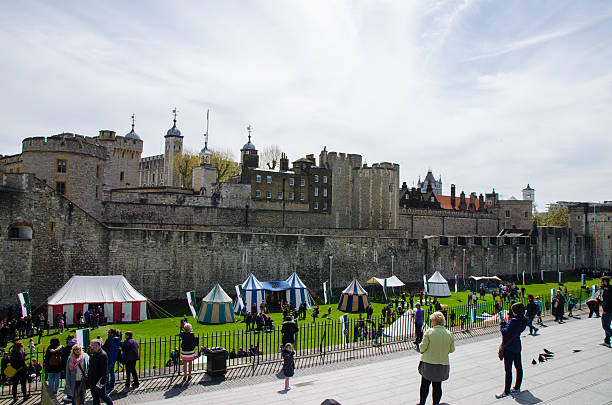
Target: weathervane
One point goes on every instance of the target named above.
(133, 117)
(249, 129)
(174, 111)
(206, 134)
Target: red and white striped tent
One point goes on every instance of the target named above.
(121, 301)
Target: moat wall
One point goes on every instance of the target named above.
(163, 264)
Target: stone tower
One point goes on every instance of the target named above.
(529, 194)
(249, 159)
(174, 145)
(205, 175)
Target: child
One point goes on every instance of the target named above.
(571, 303)
(32, 347)
(288, 363)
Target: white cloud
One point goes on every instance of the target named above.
(487, 94)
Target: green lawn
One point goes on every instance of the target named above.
(169, 327)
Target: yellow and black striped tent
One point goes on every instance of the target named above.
(354, 298)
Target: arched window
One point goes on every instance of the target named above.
(20, 231)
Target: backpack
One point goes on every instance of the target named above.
(55, 359)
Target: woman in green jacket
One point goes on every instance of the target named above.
(434, 366)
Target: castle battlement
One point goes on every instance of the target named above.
(66, 143)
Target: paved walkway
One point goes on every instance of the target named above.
(579, 373)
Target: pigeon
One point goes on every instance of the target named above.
(548, 351)
(534, 362)
(577, 350)
(547, 356)
(541, 358)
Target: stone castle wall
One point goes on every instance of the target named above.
(163, 264)
(419, 223)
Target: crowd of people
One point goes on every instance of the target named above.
(71, 362)
(95, 370)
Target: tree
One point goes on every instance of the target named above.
(270, 156)
(183, 164)
(556, 216)
(226, 166)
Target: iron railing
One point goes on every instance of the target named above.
(325, 341)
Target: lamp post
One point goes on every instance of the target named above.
(531, 261)
(487, 262)
(331, 258)
(517, 259)
(463, 267)
(558, 241)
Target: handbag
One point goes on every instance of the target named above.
(502, 348)
(11, 371)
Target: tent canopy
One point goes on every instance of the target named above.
(437, 286)
(120, 301)
(252, 284)
(275, 285)
(217, 294)
(392, 281)
(216, 307)
(254, 293)
(477, 278)
(354, 298)
(95, 289)
(297, 291)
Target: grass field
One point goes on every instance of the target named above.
(169, 327)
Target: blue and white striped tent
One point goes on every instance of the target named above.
(253, 293)
(216, 307)
(354, 298)
(297, 292)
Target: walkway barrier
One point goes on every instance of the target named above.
(324, 341)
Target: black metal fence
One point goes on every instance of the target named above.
(327, 340)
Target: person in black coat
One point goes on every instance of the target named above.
(17, 359)
(189, 342)
(289, 330)
(54, 364)
(98, 371)
(288, 363)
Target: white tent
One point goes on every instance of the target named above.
(121, 301)
(437, 286)
(392, 281)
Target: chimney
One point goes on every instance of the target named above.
(404, 186)
(472, 202)
(462, 205)
(481, 203)
(453, 196)
(284, 163)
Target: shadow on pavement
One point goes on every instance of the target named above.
(527, 398)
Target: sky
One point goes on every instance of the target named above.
(487, 94)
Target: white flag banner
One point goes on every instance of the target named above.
(542, 275)
(24, 300)
(552, 294)
(326, 295)
(559, 277)
(239, 301)
(523, 279)
(82, 337)
(582, 279)
(343, 320)
(425, 282)
(191, 302)
(456, 282)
